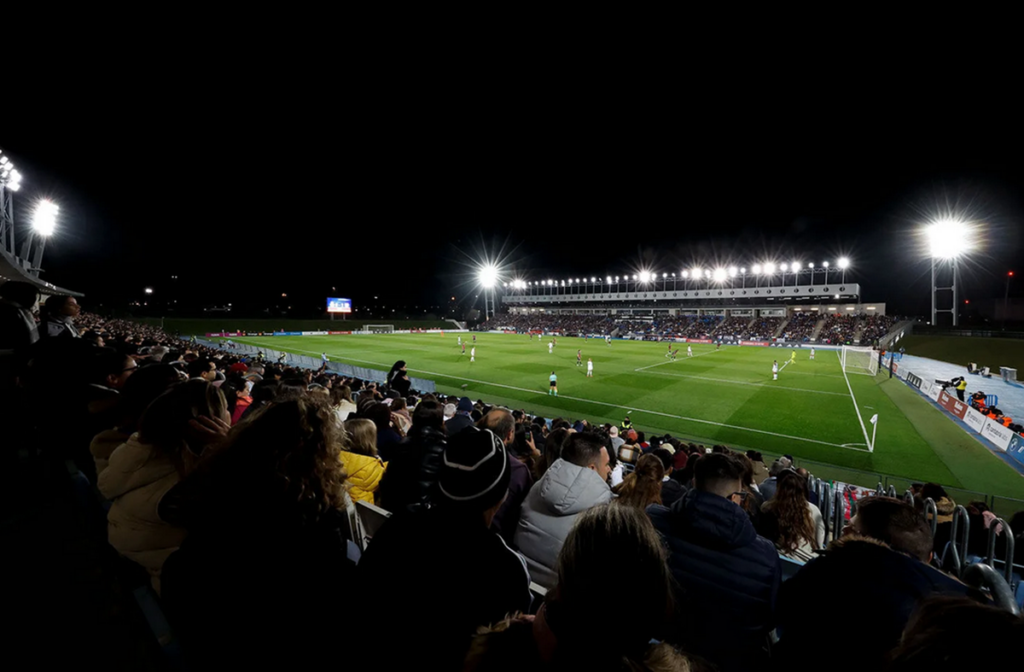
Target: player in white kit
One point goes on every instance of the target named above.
(551, 347)
(590, 368)
(472, 354)
(775, 370)
(812, 353)
(608, 340)
(689, 351)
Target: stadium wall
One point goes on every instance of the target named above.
(421, 384)
(204, 326)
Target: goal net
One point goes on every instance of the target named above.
(859, 360)
(379, 328)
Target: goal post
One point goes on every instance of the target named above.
(859, 360)
(379, 328)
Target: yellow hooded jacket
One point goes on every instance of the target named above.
(364, 475)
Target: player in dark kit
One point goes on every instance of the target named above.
(579, 358)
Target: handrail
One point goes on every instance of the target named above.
(838, 509)
(891, 491)
(1007, 552)
(908, 497)
(930, 508)
(880, 489)
(965, 532)
(950, 550)
(979, 575)
(825, 501)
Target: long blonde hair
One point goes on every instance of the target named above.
(362, 434)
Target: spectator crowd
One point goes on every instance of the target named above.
(514, 542)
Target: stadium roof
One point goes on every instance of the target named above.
(11, 269)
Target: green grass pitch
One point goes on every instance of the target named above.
(717, 396)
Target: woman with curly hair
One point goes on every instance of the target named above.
(266, 549)
(793, 523)
(642, 487)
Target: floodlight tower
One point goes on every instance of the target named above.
(948, 239)
(10, 181)
(488, 280)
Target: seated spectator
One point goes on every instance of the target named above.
(462, 418)
(136, 395)
(753, 501)
(263, 393)
(503, 425)
(141, 471)
(812, 495)
(574, 483)
(561, 637)
(883, 562)
(950, 634)
(410, 481)
(342, 397)
(552, 450)
(767, 487)
(364, 469)
(728, 576)
(387, 434)
(236, 394)
(58, 317)
(642, 487)
(791, 522)
(463, 575)
(400, 413)
(266, 548)
(17, 326)
(760, 469)
(671, 490)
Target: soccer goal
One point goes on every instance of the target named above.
(379, 328)
(859, 360)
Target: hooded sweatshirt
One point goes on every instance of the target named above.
(549, 511)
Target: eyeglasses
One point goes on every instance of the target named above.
(742, 495)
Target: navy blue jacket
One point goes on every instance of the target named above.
(728, 579)
(871, 591)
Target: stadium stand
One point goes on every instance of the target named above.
(800, 327)
(226, 486)
(763, 329)
(838, 329)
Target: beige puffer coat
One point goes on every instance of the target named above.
(136, 479)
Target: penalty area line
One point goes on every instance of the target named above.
(341, 357)
(644, 368)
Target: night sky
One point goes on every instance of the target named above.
(243, 201)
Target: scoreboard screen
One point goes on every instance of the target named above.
(335, 305)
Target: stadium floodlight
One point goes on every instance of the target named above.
(707, 272)
(488, 276)
(843, 263)
(810, 265)
(783, 267)
(733, 271)
(696, 272)
(44, 219)
(795, 266)
(743, 271)
(616, 278)
(593, 279)
(608, 279)
(645, 277)
(665, 275)
(634, 276)
(947, 239)
(685, 274)
(756, 269)
(149, 290)
(720, 275)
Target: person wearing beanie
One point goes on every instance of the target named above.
(440, 573)
(462, 419)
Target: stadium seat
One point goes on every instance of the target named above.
(371, 518)
(789, 567)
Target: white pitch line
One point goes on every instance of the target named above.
(855, 407)
(738, 382)
(599, 403)
(643, 368)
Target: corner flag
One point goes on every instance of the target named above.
(874, 419)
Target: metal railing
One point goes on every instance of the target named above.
(990, 558)
(981, 576)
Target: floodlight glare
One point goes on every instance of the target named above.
(149, 290)
(824, 264)
(707, 272)
(593, 279)
(743, 270)
(665, 275)
(769, 268)
(488, 276)
(783, 268)
(844, 262)
(634, 276)
(947, 239)
(810, 265)
(756, 268)
(645, 277)
(795, 266)
(696, 272)
(720, 275)
(608, 279)
(686, 274)
(732, 271)
(44, 219)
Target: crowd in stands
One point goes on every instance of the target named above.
(800, 327)
(733, 326)
(702, 326)
(228, 481)
(565, 324)
(838, 329)
(877, 326)
(763, 329)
